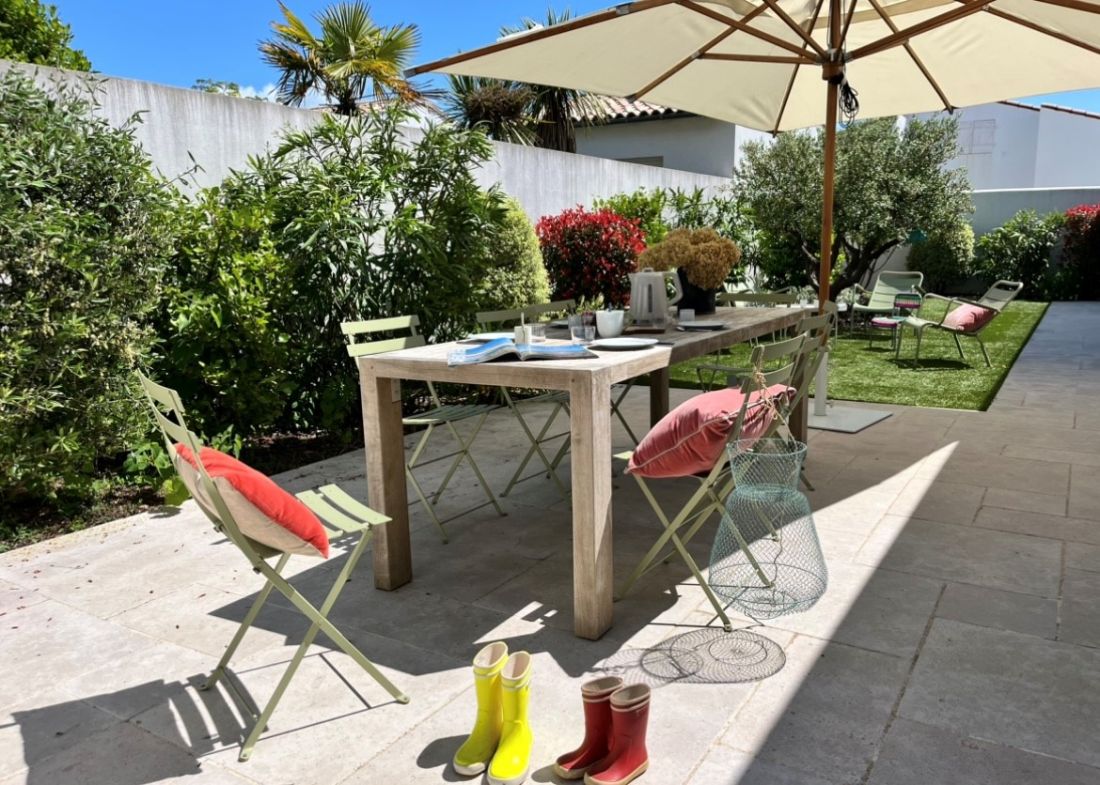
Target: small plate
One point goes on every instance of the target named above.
(702, 325)
(623, 344)
(486, 337)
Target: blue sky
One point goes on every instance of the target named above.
(178, 41)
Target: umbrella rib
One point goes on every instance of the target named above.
(1043, 30)
(702, 52)
(797, 28)
(848, 20)
(771, 39)
(794, 71)
(770, 59)
(902, 36)
(916, 60)
(539, 34)
(1076, 5)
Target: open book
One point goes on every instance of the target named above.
(506, 349)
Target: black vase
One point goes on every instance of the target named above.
(698, 299)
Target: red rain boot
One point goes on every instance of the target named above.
(628, 758)
(596, 695)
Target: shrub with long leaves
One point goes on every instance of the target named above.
(85, 229)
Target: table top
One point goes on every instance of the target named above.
(430, 362)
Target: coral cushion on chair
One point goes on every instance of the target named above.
(691, 437)
(264, 512)
(968, 318)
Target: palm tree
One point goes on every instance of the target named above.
(500, 108)
(554, 108)
(351, 58)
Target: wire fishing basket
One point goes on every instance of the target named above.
(766, 560)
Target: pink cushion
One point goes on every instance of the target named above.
(691, 437)
(264, 512)
(885, 322)
(968, 318)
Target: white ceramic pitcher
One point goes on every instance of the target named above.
(649, 300)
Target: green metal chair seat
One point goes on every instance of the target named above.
(450, 413)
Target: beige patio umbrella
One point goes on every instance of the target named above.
(778, 65)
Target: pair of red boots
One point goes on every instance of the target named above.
(613, 751)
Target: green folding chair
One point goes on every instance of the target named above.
(539, 311)
(439, 416)
(772, 364)
(557, 399)
(710, 373)
(347, 517)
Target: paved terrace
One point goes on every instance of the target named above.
(957, 642)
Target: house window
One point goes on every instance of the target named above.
(977, 137)
(645, 160)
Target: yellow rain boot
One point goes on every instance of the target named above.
(475, 753)
(513, 759)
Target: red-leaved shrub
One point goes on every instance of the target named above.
(589, 254)
(1081, 250)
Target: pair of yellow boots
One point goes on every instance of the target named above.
(501, 739)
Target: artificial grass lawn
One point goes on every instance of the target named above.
(941, 379)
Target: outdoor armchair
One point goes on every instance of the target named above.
(962, 317)
(880, 299)
(439, 416)
(346, 517)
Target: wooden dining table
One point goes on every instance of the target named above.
(588, 382)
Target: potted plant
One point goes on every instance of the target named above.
(702, 258)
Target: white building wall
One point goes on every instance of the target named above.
(182, 128)
(691, 144)
(997, 145)
(1068, 153)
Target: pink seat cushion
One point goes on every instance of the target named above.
(968, 318)
(885, 322)
(691, 437)
(264, 512)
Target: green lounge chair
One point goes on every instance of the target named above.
(995, 300)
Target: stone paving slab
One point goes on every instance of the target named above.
(956, 645)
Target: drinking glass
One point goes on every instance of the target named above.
(538, 332)
(581, 329)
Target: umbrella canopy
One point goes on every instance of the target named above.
(778, 65)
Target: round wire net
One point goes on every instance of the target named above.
(766, 560)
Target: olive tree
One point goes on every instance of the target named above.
(890, 182)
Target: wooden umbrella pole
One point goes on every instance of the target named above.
(825, 273)
(832, 72)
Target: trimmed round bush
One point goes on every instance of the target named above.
(514, 273)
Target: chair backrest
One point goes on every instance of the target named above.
(504, 318)
(818, 329)
(393, 324)
(891, 283)
(757, 299)
(537, 311)
(771, 364)
(1000, 294)
(168, 413)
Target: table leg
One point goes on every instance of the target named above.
(658, 395)
(590, 427)
(384, 438)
